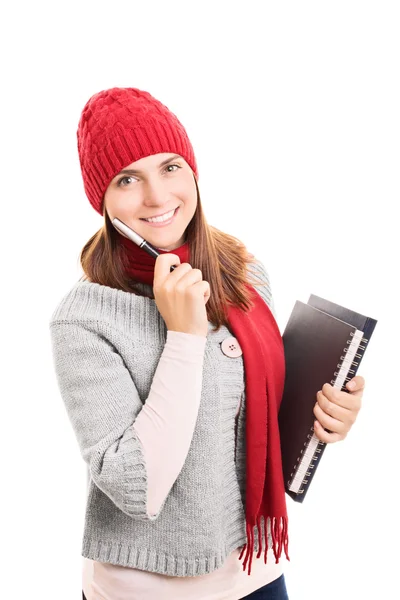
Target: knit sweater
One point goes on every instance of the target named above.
(106, 346)
(166, 421)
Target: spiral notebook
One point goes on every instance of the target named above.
(323, 343)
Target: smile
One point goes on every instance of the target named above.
(163, 220)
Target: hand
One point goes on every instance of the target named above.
(181, 296)
(337, 410)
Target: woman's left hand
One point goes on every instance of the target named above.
(337, 410)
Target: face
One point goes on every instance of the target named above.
(151, 187)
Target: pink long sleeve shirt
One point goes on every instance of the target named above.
(167, 421)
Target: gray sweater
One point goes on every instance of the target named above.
(106, 346)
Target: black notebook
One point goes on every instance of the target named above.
(323, 343)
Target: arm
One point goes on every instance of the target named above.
(102, 403)
(166, 423)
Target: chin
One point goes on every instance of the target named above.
(167, 245)
(171, 247)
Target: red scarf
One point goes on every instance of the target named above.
(264, 364)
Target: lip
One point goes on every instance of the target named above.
(163, 223)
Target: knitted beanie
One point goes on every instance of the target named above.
(119, 126)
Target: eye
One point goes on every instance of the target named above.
(177, 166)
(131, 177)
(123, 179)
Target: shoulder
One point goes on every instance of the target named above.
(259, 277)
(64, 307)
(258, 271)
(106, 310)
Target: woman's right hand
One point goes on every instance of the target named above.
(181, 295)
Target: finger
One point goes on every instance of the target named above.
(357, 384)
(344, 400)
(333, 409)
(347, 400)
(325, 436)
(329, 422)
(162, 266)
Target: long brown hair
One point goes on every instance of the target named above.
(222, 259)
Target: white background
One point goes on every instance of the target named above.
(293, 112)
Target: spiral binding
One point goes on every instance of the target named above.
(311, 437)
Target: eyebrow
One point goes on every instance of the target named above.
(137, 171)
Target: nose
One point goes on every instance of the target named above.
(155, 194)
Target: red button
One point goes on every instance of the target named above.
(230, 347)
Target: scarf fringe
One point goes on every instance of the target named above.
(280, 537)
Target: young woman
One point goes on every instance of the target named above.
(172, 379)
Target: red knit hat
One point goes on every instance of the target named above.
(119, 126)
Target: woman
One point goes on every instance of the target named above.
(168, 377)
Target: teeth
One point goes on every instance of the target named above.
(162, 218)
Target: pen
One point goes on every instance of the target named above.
(137, 239)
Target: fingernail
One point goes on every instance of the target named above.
(351, 385)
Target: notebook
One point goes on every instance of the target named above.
(323, 343)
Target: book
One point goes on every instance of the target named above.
(323, 343)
